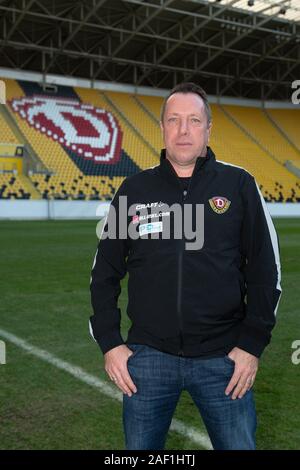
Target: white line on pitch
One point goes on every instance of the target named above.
(111, 392)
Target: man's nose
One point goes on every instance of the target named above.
(184, 127)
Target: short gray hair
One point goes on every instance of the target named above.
(189, 87)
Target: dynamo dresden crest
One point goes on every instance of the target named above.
(219, 204)
(92, 133)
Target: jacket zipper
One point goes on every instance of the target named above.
(180, 262)
(179, 296)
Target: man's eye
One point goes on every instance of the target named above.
(195, 120)
(173, 119)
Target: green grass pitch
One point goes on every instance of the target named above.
(45, 274)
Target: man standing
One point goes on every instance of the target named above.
(201, 315)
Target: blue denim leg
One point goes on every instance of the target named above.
(231, 424)
(147, 414)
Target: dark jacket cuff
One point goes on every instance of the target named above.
(110, 341)
(253, 340)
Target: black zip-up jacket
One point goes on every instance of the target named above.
(190, 302)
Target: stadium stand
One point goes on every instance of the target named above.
(255, 123)
(287, 122)
(139, 119)
(13, 184)
(233, 145)
(152, 104)
(7, 135)
(132, 143)
(87, 158)
(13, 187)
(67, 179)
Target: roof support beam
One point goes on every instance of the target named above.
(132, 35)
(190, 33)
(74, 32)
(238, 38)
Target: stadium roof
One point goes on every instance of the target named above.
(229, 47)
(290, 10)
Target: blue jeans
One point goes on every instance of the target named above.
(160, 379)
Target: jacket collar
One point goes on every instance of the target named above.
(202, 163)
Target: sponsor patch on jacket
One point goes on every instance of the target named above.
(219, 204)
(149, 205)
(155, 215)
(154, 227)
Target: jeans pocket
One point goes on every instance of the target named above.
(135, 348)
(229, 360)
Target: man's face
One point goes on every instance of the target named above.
(185, 128)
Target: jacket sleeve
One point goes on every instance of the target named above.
(108, 269)
(261, 270)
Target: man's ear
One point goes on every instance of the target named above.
(209, 130)
(161, 126)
